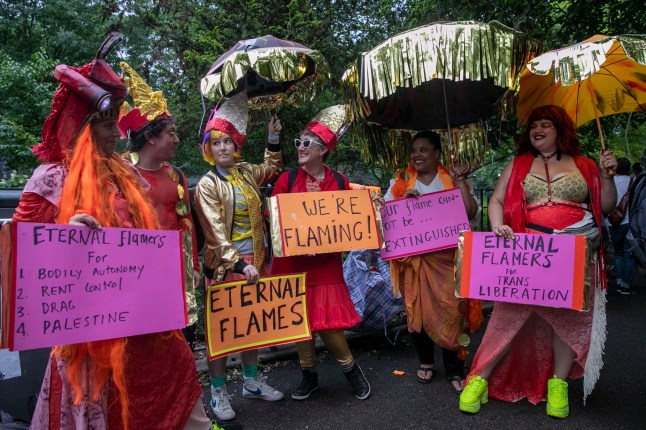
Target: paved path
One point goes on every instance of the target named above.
(400, 402)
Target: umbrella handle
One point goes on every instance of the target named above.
(199, 130)
(610, 171)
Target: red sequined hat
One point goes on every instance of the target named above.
(91, 91)
(329, 125)
(231, 118)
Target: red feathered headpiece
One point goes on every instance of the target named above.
(92, 90)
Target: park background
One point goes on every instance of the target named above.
(172, 43)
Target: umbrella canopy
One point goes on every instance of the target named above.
(271, 70)
(444, 75)
(597, 77)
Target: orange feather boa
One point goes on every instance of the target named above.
(405, 180)
(86, 190)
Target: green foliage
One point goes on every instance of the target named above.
(15, 180)
(174, 42)
(27, 90)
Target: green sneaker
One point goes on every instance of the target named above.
(474, 394)
(557, 400)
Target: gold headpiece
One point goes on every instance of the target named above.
(148, 104)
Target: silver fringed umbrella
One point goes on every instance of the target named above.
(272, 71)
(447, 75)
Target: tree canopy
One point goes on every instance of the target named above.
(172, 43)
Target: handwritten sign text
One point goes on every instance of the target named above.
(323, 222)
(535, 269)
(241, 316)
(429, 223)
(73, 284)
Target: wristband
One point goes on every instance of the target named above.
(273, 139)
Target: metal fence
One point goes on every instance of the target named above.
(483, 196)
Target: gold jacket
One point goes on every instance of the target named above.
(214, 202)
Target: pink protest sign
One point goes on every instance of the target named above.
(429, 223)
(72, 284)
(533, 269)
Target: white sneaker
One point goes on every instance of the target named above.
(258, 389)
(220, 404)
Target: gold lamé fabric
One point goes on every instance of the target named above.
(336, 118)
(150, 103)
(274, 227)
(467, 68)
(274, 64)
(597, 77)
(189, 281)
(254, 206)
(214, 202)
(457, 51)
(334, 341)
(6, 282)
(467, 143)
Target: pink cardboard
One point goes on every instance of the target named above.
(429, 223)
(532, 269)
(73, 284)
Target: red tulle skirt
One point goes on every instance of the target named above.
(329, 307)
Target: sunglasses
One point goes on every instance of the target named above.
(306, 143)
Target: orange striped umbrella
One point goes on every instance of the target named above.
(600, 76)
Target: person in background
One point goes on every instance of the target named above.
(426, 282)
(624, 264)
(228, 202)
(146, 381)
(637, 216)
(152, 135)
(636, 169)
(529, 351)
(329, 307)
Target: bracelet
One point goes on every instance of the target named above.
(273, 139)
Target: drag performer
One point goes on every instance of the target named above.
(228, 201)
(139, 382)
(427, 282)
(152, 134)
(529, 351)
(329, 307)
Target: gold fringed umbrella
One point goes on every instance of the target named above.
(441, 76)
(272, 71)
(597, 77)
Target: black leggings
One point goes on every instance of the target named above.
(425, 347)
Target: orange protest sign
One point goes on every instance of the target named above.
(323, 222)
(241, 316)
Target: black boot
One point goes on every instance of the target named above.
(358, 381)
(309, 384)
